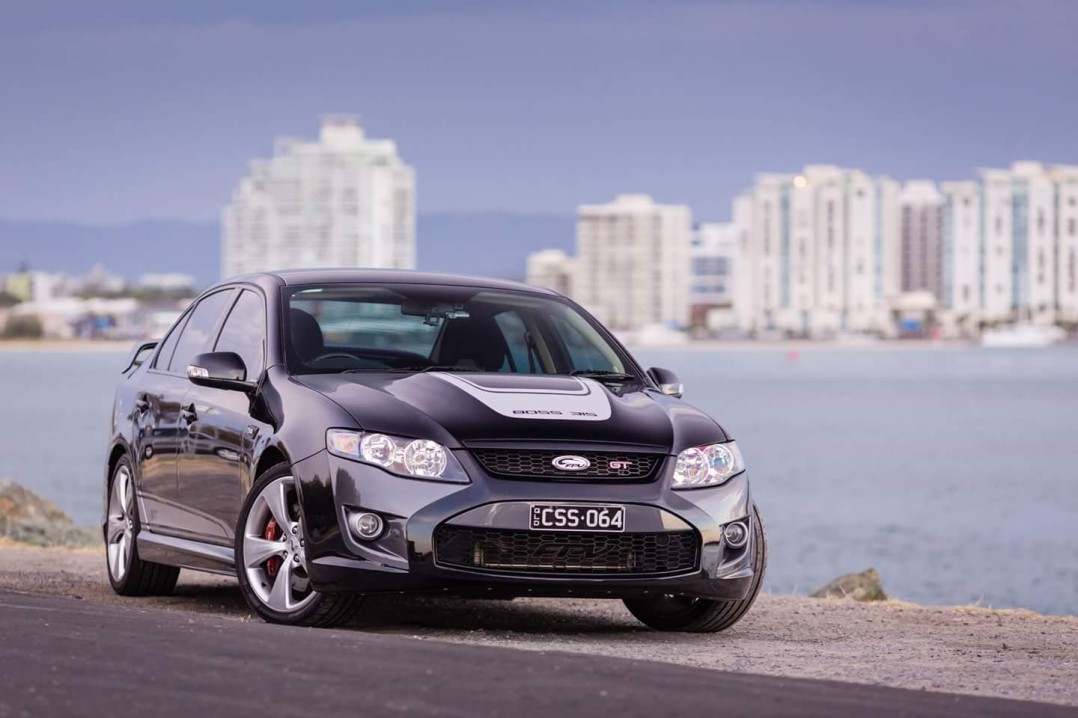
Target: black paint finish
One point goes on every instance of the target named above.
(197, 447)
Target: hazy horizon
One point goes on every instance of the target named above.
(124, 111)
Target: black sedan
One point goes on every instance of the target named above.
(328, 434)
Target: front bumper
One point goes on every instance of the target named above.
(405, 558)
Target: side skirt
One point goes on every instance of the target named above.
(185, 553)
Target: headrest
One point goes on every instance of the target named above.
(307, 339)
(474, 342)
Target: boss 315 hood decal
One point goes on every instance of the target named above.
(562, 398)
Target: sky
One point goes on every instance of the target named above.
(112, 112)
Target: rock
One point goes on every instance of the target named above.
(28, 518)
(864, 586)
(18, 503)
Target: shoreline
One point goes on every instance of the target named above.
(967, 649)
(711, 345)
(736, 345)
(66, 345)
(807, 345)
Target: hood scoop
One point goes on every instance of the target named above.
(527, 396)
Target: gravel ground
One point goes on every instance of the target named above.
(1012, 654)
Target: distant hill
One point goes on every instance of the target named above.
(490, 243)
(127, 249)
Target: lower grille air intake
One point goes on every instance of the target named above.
(558, 552)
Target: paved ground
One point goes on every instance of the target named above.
(63, 656)
(968, 651)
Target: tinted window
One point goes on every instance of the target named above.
(422, 327)
(583, 350)
(169, 345)
(522, 354)
(244, 332)
(196, 334)
(371, 322)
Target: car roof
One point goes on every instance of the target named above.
(294, 277)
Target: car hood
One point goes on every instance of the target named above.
(472, 409)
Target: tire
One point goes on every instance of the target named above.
(129, 574)
(269, 550)
(701, 615)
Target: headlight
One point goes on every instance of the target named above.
(418, 458)
(707, 465)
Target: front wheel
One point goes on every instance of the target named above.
(271, 562)
(702, 615)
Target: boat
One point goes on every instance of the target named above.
(1022, 335)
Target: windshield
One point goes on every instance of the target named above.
(411, 328)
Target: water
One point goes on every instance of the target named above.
(953, 472)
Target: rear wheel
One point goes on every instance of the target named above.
(128, 574)
(701, 615)
(271, 561)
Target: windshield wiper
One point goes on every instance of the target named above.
(445, 368)
(602, 374)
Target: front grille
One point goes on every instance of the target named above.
(521, 463)
(558, 552)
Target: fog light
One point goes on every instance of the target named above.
(737, 534)
(367, 526)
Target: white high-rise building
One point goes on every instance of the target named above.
(744, 293)
(714, 255)
(1066, 179)
(633, 262)
(822, 251)
(553, 269)
(1023, 236)
(961, 254)
(343, 201)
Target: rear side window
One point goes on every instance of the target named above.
(165, 355)
(244, 333)
(196, 334)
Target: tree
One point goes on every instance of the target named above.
(25, 326)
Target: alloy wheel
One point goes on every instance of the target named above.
(273, 554)
(120, 527)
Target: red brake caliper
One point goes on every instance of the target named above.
(272, 533)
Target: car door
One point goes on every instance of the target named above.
(156, 439)
(171, 388)
(214, 469)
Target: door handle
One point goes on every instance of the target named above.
(189, 414)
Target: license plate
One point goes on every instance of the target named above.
(562, 517)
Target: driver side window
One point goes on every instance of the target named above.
(244, 333)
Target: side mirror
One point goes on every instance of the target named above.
(668, 382)
(219, 370)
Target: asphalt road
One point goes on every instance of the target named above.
(63, 656)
